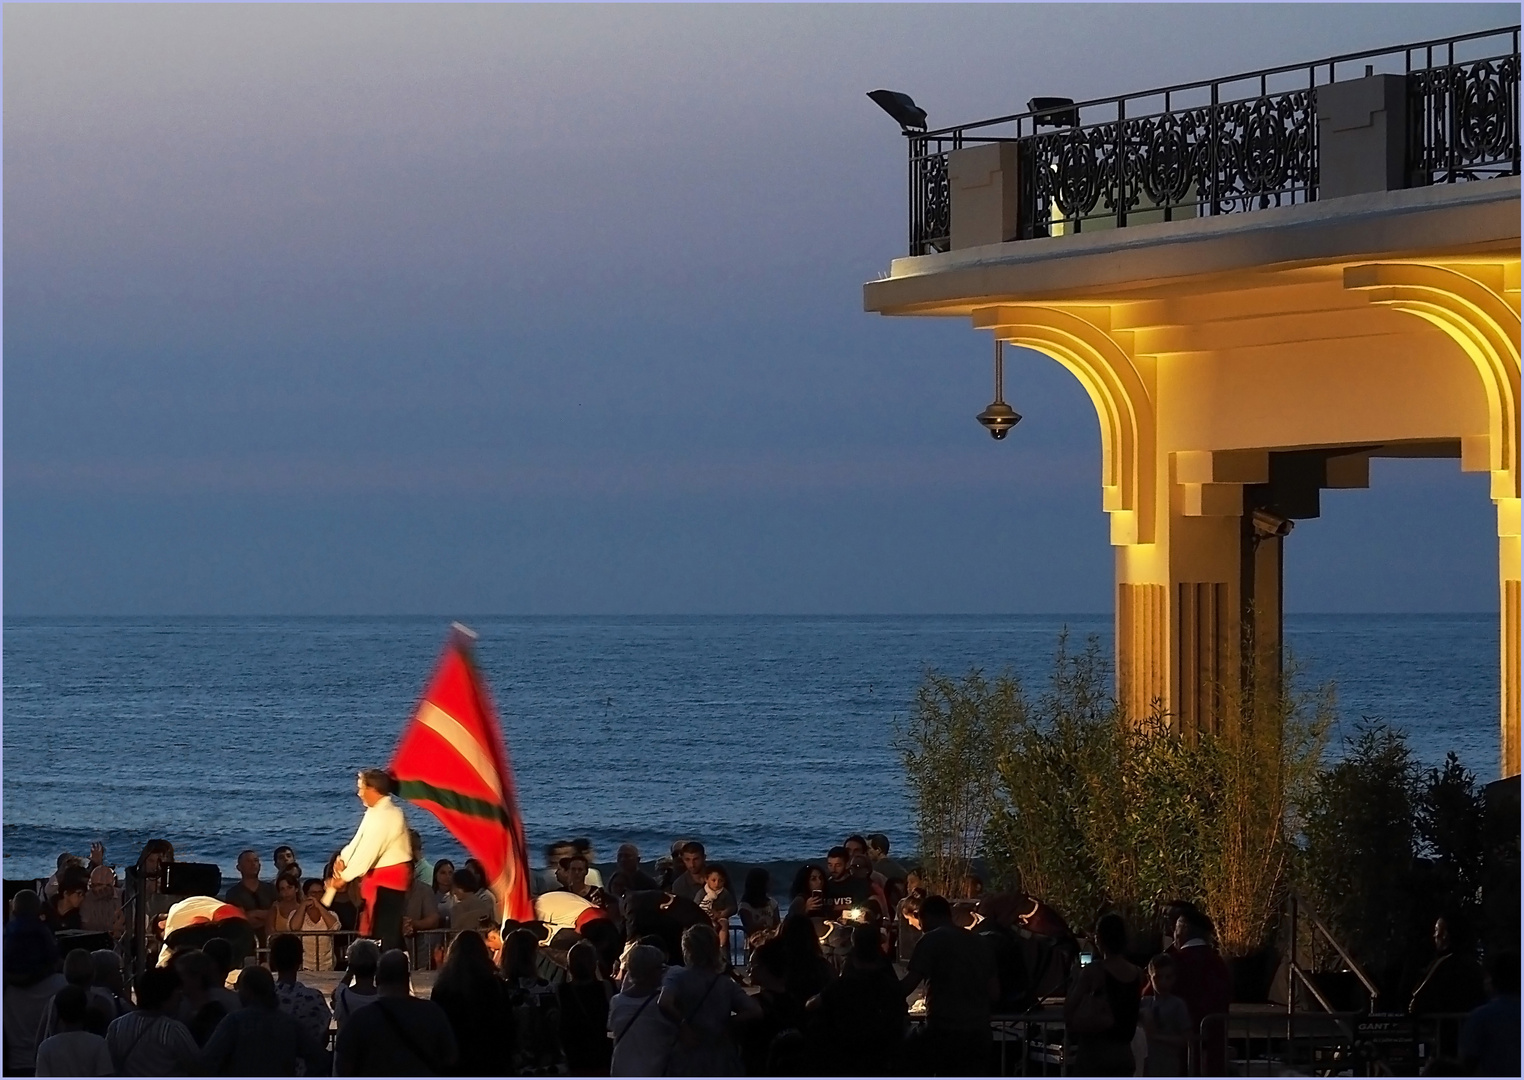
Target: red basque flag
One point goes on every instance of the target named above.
(452, 762)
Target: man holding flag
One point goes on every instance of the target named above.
(452, 762)
(381, 856)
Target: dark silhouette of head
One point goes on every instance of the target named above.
(256, 987)
(935, 911)
(1111, 935)
(393, 972)
(285, 954)
(154, 987)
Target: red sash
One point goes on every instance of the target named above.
(398, 876)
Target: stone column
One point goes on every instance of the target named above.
(1508, 631)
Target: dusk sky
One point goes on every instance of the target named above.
(558, 310)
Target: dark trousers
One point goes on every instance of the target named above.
(1101, 1057)
(939, 1051)
(386, 920)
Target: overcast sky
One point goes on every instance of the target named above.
(360, 309)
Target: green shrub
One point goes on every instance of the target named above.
(1360, 845)
(947, 748)
(1094, 811)
(1450, 822)
(1052, 772)
(1263, 764)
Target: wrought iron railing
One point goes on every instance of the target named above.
(1463, 119)
(1243, 143)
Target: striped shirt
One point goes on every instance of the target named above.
(152, 1044)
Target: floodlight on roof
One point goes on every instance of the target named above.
(1053, 112)
(901, 108)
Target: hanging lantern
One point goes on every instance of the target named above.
(999, 418)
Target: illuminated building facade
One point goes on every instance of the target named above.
(1262, 283)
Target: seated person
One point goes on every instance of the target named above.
(629, 877)
(102, 909)
(574, 879)
(63, 911)
(844, 890)
(254, 896)
(469, 911)
(1454, 981)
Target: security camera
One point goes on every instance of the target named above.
(1268, 524)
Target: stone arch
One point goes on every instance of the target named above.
(1476, 308)
(1479, 320)
(1123, 402)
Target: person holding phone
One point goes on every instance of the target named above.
(317, 950)
(844, 892)
(808, 894)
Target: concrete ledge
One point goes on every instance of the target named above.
(1453, 219)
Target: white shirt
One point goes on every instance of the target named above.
(25, 1009)
(559, 910)
(381, 840)
(193, 910)
(317, 952)
(74, 1053)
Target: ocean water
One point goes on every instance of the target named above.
(767, 737)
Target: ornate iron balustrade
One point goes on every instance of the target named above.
(1464, 120)
(930, 194)
(1248, 142)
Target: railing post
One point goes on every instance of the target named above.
(1215, 134)
(912, 195)
(1119, 148)
(1452, 120)
(1291, 964)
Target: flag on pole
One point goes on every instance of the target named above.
(451, 760)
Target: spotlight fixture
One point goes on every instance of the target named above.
(999, 418)
(1054, 112)
(901, 108)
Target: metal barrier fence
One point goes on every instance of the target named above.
(1249, 1043)
(1269, 1042)
(1035, 1039)
(426, 948)
(1438, 1036)
(738, 951)
(1025, 1044)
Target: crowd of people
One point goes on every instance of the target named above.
(663, 968)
